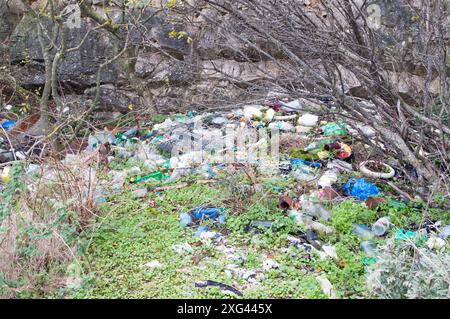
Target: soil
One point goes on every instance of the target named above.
(377, 167)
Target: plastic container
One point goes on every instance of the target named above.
(308, 120)
(185, 219)
(314, 209)
(381, 226)
(363, 168)
(362, 231)
(361, 189)
(282, 126)
(368, 247)
(328, 178)
(445, 232)
(201, 213)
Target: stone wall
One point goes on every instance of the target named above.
(175, 72)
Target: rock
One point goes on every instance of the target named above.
(159, 70)
(112, 98)
(367, 131)
(239, 71)
(410, 86)
(154, 28)
(9, 17)
(78, 69)
(349, 79)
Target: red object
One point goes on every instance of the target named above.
(373, 202)
(328, 193)
(285, 202)
(277, 106)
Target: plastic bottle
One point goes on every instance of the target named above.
(6, 175)
(283, 126)
(362, 231)
(185, 219)
(445, 232)
(314, 209)
(380, 227)
(301, 219)
(133, 170)
(304, 173)
(318, 145)
(368, 247)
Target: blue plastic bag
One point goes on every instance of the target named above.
(202, 213)
(7, 125)
(361, 189)
(298, 161)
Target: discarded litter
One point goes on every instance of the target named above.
(445, 232)
(334, 129)
(139, 193)
(318, 145)
(262, 223)
(328, 193)
(361, 189)
(285, 203)
(330, 251)
(308, 120)
(282, 126)
(368, 247)
(435, 243)
(327, 287)
(301, 219)
(313, 209)
(156, 175)
(362, 231)
(328, 178)
(223, 287)
(205, 233)
(185, 219)
(403, 234)
(202, 213)
(305, 173)
(340, 165)
(380, 227)
(6, 175)
(388, 171)
(8, 125)
(269, 263)
(300, 162)
(153, 264)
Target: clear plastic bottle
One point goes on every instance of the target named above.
(445, 232)
(362, 231)
(381, 226)
(368, 247)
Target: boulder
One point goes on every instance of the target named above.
(158, 69)
(114, 99)
(78, 69)
(155, 29)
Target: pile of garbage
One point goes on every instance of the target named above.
(319, 154)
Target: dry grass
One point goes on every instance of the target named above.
(37, 233)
